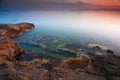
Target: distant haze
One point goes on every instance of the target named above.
(61, 4)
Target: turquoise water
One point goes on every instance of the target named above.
(56, 29)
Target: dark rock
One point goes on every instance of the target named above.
(21, 50)
(93, 69)
(86, 76)
(68, 74)
(109, 51)
(106, 60)
(116, 78)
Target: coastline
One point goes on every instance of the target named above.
(100, 63)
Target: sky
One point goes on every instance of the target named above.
(61, 4)
(104, 2)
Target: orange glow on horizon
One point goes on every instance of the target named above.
(105, 3)
(112, 5)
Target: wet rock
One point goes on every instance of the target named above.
(14, 30)
(67, 52)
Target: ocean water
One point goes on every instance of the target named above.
(55, 29)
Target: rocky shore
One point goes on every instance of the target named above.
(96, 63)
(14, 30)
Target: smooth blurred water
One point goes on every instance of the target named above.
(84, 27)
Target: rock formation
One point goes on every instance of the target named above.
(16, 70)
(8, 49)
(101, 63)
(10, 68)
(14, 30)
(106, 60)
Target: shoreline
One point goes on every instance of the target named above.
(99, 62)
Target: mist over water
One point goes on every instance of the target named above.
(83, 27)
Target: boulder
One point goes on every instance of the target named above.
(75, 63)
(105, 59)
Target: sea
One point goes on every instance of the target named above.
(56, 29)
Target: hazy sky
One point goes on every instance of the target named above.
(58, 3)
(105, 2)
